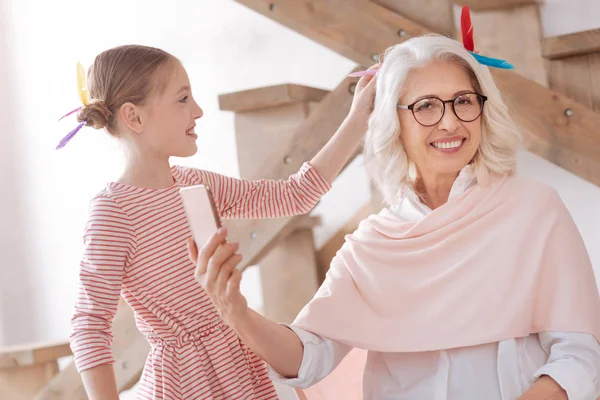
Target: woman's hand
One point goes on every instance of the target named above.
(216, 272)
(545, 388)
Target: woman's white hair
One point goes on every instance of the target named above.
(386, 161)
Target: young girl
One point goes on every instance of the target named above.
(136, 232)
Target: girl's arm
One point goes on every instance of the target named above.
(109, 242)
(100, 383)
(240, 198)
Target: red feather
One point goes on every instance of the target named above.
(466, 27)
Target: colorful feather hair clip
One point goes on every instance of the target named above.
(84, 96)
(466, 28)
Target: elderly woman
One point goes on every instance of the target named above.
(473, 284)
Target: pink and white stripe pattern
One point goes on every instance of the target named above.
(135, 248)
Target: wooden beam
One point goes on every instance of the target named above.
(33, 354)
(552, 117)
(519, 43)
(22, 383)
(257, 237)
(574, 44)
(486, 5)
(289, 276)
(24, 370)
(288, 272)
(581, 166)
(267, 97)
(130, 363)
(308, 135)
(575, 77)
(67, 385)
(265, 134)
(594, 60)
(363, 30)
(436, 15)
(130, 349)
(340, 27)
(335, 242)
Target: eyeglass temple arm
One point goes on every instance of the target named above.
(402, 107)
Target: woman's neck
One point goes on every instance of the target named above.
(434, 190)
(142, 169)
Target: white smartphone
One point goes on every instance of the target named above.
(201, 212)
(202, 215)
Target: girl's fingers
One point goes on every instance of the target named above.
(366, 79)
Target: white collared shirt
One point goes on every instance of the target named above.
(494, 371)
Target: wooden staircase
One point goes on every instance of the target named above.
(25, 370)
(573, 65)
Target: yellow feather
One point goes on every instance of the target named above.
(84, 95)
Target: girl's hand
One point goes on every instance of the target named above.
(216, 272)
(364, 97)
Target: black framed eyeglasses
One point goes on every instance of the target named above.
(429, 111)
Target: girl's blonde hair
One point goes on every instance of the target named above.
(385, 158)
(124, 74)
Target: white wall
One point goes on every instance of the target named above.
(561, 17)
(18, 314)
(225, 47)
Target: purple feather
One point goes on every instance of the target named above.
(70, 136)
(70, 112)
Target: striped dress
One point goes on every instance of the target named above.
(135, 248)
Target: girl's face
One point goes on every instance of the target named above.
(170, 117)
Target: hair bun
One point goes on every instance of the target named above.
(96, 114)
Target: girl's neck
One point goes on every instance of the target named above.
(146, 171)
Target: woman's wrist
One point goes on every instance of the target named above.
(545, 388)
(241, 322)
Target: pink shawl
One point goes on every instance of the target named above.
(494, 263)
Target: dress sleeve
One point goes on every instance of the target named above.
(109, 243)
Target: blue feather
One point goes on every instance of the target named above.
(492, 62)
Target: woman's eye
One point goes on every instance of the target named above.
(184, 99)
(424, 106)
